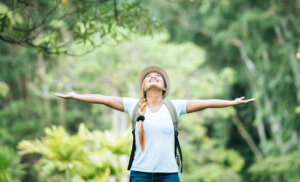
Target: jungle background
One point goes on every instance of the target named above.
(210, 48)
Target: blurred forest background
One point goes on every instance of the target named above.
(210, 48)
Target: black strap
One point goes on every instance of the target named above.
(133, 122)
(132, 151)
(177, 145)
(173, 114)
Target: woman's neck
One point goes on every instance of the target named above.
(154, 98)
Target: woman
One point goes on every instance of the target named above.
(154, 132)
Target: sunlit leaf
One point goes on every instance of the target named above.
(65, 2)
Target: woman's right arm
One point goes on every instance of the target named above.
(110, 101)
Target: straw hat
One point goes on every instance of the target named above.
(159, 70)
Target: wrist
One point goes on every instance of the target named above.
(234, 102)
(73, 96)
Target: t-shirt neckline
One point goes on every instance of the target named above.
(156, 111)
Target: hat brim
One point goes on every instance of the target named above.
(159, 70)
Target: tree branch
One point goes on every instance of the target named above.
(116, 12)
(259, 81)
(38, 24)
(246, 136)
(25, 2)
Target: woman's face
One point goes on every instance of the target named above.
(154, 79)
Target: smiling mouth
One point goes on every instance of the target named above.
(153, 81)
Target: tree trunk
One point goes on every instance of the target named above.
(247, 137)
(255, 83)
(41, 72)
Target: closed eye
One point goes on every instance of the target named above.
(157, 75)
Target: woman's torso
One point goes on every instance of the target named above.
(158, 155)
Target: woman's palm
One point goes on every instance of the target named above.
(241, 101)
(69, 95)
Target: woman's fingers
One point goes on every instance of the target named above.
(250, 100)
(69, 95)
(241, 101)
(60, 95)
(253, 99)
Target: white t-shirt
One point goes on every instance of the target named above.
(158, 155)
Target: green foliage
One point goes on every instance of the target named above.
(57, 26)
(127, 58)
(3, 89)
(16, 123)
(285, 166)
(297, 110)
(204, 158)
(10, 168)
(244, 48)
(85, 156)
(257, 40)
(117, 146)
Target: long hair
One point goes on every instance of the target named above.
(142, 108)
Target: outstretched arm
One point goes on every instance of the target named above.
(197, 105)
(110, 101)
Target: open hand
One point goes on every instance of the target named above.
(69, 95)
(241, 101)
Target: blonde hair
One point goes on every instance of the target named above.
(142, 108)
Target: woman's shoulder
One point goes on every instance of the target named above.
(180, 106)
(130, 100)
(178, 101)
(129, 104)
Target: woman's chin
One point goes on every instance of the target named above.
(154, 86)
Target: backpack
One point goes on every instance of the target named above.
(173, 114)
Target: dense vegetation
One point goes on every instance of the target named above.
(211, 49)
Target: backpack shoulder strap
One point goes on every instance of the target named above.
(134, 115)
(133, 121)
(173, 113)
(175, 119)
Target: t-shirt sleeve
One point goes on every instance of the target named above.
(129, 104)
(180, 106)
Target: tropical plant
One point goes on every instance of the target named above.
(85, 156)
(10, 168)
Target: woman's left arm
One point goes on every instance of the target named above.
(197, 105)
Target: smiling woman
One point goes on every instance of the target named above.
(152, 157)
(154, 80)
